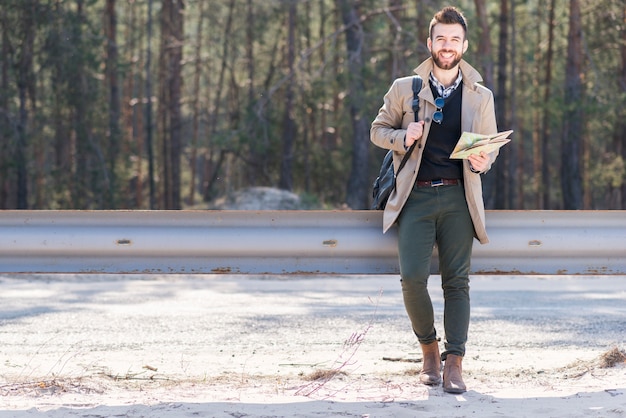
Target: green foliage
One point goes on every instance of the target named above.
(611, 171)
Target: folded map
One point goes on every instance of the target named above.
(471, 143)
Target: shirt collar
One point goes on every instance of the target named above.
(441, 89)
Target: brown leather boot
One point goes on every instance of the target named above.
(431, 366)
(452, 371)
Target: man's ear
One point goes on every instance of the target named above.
(465, 45)
(429, 44)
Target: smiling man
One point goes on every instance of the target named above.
(438, 201)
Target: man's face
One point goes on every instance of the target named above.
(447, 45)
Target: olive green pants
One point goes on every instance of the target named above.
(437, 216)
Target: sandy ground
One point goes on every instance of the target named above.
(244, 346)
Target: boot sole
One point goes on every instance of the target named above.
(430, 382)
(454, 390)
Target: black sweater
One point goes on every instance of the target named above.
(442, 138)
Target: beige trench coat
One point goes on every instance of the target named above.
(389, 129)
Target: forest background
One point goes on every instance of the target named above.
(147, 104)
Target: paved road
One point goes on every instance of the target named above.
(194, 328)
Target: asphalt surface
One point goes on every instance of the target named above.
(212, 328)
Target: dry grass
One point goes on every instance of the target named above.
(50, 387)
(612, 358)
(324, 374)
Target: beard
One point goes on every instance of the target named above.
(449, 65)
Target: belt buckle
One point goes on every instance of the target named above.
(436, 183)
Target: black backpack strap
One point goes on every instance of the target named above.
(417, 86)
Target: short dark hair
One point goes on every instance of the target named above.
(448, 15)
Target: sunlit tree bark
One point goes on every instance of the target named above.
(573, 122)
(357, 196)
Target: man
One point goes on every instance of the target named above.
(438, 201)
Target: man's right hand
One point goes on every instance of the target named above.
(413, 132)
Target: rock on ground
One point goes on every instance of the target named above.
(258, 198)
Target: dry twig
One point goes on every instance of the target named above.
(351, 346)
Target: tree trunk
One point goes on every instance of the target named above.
(162, 122)
(113, 147)
(485, 66)
(6, 133)
(515, 151)
(309, 133)
(535, 82)
(289, 126)
(80, 128)
(358, 194)
(171, 86)
(501, 172)
(60, 121)
(148, 101)
(397, 61)
(421, 24)
(196, 104)
(25, 87)
(133, 111)
(258, 149)
(546, 179)
(176, 86)
(619, 140)
(572, 135)
(214, 115)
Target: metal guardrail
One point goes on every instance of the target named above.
(294, 242)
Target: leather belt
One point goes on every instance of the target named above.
(437, 183)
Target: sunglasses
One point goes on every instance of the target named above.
(438, 115)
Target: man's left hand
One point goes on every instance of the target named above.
(479, 162)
